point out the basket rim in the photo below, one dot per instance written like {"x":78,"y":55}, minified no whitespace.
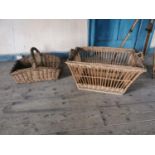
{"x":106,"y":66}
{"x":107,"y":47}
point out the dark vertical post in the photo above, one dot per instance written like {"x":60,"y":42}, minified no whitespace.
{"x":149,"y":30}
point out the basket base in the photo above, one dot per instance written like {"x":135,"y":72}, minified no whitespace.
{"x":101,"y":89}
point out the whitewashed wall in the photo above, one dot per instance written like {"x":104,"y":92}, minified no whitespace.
{"x":18,"y":36}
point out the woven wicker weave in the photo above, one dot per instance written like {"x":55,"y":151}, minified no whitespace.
{"x":104,"y":69}
{"x":37,"y":67}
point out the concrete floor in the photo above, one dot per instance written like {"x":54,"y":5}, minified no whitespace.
{"x":57,"y":107}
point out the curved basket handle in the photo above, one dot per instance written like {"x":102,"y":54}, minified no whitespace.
{"x":34,"y":65}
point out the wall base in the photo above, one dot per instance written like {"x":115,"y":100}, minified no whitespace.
{"x":13,"y":57}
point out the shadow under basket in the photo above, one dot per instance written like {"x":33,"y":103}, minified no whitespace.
{"x":37,"y":67}
{"x":105,"y":69}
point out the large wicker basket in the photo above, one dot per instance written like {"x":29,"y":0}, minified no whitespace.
{"x":37,"y":67}
{"x":105,"y":69}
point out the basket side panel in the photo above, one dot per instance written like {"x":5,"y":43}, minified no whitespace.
{"x":23,"y":77}
{"x":103,"y":79}
{"x":42,"y":74}
{"x":105,"y":55}
{"x":35,"y":75}
{"x":50,"y":61}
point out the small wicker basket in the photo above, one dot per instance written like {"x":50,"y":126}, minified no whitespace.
{"x":37,"y":67}
{"x":105,"y":69}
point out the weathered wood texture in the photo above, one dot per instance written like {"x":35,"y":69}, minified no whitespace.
{"x":57,"y":107}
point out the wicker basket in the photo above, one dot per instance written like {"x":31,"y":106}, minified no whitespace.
{"x":105,"y":69}
{"x":37,"y":67}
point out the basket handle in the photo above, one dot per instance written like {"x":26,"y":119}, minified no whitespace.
{"x":34,"y":63}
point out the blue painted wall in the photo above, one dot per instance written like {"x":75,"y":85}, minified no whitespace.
{"x":111,"y":32}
